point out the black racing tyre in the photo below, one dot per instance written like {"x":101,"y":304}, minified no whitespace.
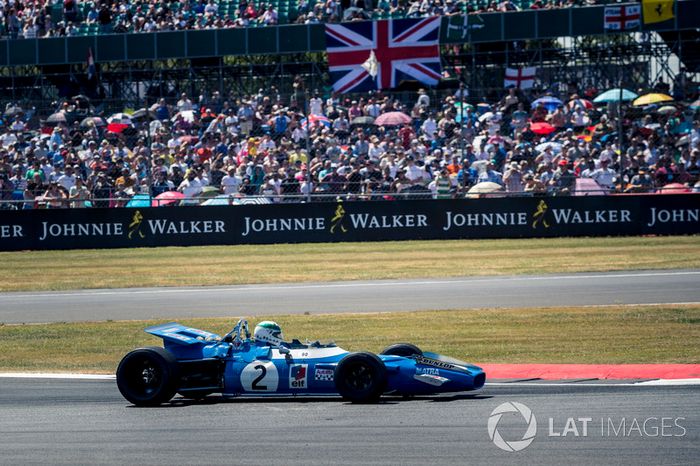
{"x":148,"y":376}
{"x":402,"y":349}
{"x":360,"y":378}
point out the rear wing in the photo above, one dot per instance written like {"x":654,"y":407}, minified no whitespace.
{"x":173,"y":332}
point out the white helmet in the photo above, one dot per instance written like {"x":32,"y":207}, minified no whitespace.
{"x":268,"y":331}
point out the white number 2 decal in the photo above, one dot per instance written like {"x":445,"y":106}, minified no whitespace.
{"x":259,"y":376}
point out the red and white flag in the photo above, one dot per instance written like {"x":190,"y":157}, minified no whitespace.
{"x":521,"y":78}
{"x":622,"y":18}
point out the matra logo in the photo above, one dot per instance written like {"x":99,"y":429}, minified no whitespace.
{"x":427,"y":371}
{"x":297,"y":376}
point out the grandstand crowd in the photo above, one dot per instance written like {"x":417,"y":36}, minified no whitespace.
{"x":239,"y":146}
{"x":34,"y":18}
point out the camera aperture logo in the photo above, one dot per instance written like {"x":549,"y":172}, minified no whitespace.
{"x":528,"y":436}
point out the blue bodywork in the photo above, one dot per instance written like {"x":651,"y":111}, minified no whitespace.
{"x":244,"y":367}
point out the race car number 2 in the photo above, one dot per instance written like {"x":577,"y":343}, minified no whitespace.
{"x":259,"y":376}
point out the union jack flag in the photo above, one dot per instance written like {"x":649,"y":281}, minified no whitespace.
{"x":365,"y":55}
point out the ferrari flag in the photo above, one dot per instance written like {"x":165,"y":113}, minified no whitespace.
{"x":656,"y":11}
{"x":365,"y":55}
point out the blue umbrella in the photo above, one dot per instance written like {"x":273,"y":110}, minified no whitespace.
{"x":549,"y":102}
{"x":613,"y":95}
{"x":221,"y":199}
{"x":139,"y":200}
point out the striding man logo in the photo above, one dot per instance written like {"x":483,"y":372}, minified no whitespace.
{"x":538,"y":216}
{"x":337,"y":220}
{"x":135,"y":225}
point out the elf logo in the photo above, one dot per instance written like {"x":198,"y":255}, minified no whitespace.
{"x":297,"y":376}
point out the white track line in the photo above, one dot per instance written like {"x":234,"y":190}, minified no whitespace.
{"x":247,"y":288}
{"x":671,"y":382}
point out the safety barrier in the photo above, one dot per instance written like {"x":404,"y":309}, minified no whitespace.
{"x":350,"y":221}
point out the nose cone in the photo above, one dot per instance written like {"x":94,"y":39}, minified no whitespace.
{"x":479,"y":380}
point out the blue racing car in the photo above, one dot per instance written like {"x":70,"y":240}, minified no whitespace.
{"x":195,"y":363}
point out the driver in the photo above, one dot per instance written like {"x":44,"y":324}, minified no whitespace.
{"x":268,"y":332}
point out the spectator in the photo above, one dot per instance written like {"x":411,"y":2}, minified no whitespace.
{"x":78,"y":194}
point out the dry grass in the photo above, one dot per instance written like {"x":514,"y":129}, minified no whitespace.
{"x":228,"y":265}
{"x":610,"y":334}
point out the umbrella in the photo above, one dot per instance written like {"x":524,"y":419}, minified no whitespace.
{"x":461,"y":110}
{"x":549,"y":102}
{"x":483,"y":107}
{"x":81,"y":97}
{"x":542,"y":128}
{"x":583,"y":103}
{"x":683,"y":141}
{"x":209,"y":192}
{"x":392,"y":119}
{"x":613,"y":95}
{"x":588,"y":187}
{"x":56,"y":118}
{"x":652,"y":98}
{"x":221,"y":199}
{"x":93,"y":121}
{"x":695,"y":105}
{"x":467,"y":106}
{"x":12,"y":111}
{"x":118,"y":122}
{"x":187,"y":139}
{"x":485,"y":187}
{"x":555,"y":146}
{"x":167,"y":198}
{"x":139,"y":200}
{"x":667,"y":110}
{"x":251,"y":201}
{"x":674,"y":188}
{"x":486,"y":116}
{"x":144,"y":114}
{"x":362,"y":120}
{"x":187,"y":115}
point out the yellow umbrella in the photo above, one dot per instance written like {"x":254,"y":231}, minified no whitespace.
{"x":649,"y":99}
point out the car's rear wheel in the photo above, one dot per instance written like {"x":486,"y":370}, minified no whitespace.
{"x":402,"y":349}
{"x":360,"y":378}
{"x":148,"y":376}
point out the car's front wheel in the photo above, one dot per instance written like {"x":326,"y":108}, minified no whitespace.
{"x":148,"y":376}
{"x":360,"y":378}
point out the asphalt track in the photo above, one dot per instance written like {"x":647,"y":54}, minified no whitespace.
{"x":635,"y":287}
{"x":87,"y":422}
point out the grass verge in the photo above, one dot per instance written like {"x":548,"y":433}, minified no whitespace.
{"x":595,"y":335}
{"x":244,"y":264}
